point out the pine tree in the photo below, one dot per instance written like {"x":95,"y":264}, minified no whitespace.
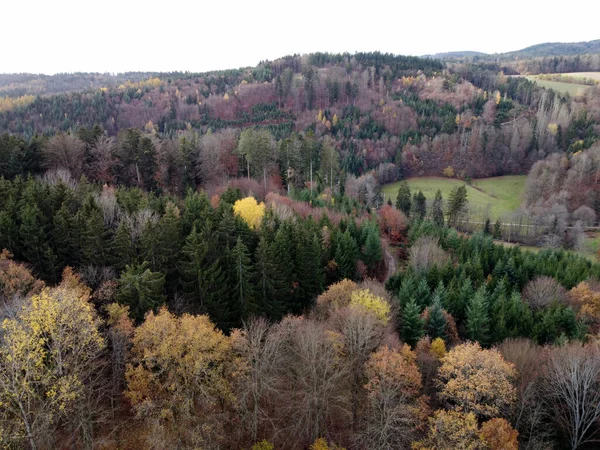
{"x":413,"y":326}
{"x":478,"y":322}
{"x":403,"y":202}
{"x":437,"y":322}
{"x":437,"y":212}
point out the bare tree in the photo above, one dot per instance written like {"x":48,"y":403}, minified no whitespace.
{"x":543,"y":291}
{"x":314,"y":379}
{"x":426,"y":253}
{"x":572,"y":390}
{"x":259,"y":360}
{"x":66,"y":152}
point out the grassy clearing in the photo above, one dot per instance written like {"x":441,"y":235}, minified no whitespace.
{"x":591,"y":75}
{"x":572,"y":88}
{"x":502,"y":195}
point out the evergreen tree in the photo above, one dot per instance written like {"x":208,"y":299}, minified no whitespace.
{"x":309,"y":270}
{"x":242,"y":294}
{"x":413,"y":326}
{"x":93,"y":238}
{"x":403,"y":202}
{"x":420,"y":205}
{"x":123,"y":248}
{"x":478,"y":323}
{"x":457,"y":204}
{"x":285,"y":250}
{"x":437,"y":212}
{"x":346,"y":255}
{"x":487,"y":228}
{"x":422,"y":294}
{"x":202,"y":278}
{"x":373,"y":252}
{"x":497,"y":230}
{"x":269,"y":282}
{"x":141,"y":289}
{"x":63,"y":236}
{"x":436,"y":327}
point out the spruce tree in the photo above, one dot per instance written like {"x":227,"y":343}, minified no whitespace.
{"x":373,"y":252}
{"x":124,"y":248}
{"x":497,"y":233}
{"x":413,"y":326}
{"x":420,"y":205}
{"x":403,"y":202}
{"x":269,"y":281}
{"x":436,"y":328}
{"x":478,"y":322}
{"x":141,"y":289}
{"x":457,"y":204}
{"x":437,"y":212}
{"x":242,"y":294}
{"x":202,"y":278}
{"x":346,"y":255}
{"x":308,"y":269}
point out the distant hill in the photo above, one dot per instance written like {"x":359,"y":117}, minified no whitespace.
{"x":535,"y":51}
{"x":556,"y":49}
{"x":452,"y":55}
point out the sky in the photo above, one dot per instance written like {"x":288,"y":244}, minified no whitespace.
{"x":43,"y":36}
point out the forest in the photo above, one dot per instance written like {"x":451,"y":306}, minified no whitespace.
{"x":208,"y":260}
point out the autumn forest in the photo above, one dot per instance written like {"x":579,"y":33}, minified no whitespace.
{"x":211,"y":261}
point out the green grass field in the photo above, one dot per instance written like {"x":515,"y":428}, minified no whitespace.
{"x":591,"y":75}
{"x":572,"y":88}
{"x":502,"y":195}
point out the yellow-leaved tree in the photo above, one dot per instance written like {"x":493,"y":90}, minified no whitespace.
{"x":451,"y":430}
{"x":50,"y":354}
{"x":478,"y":381}
{"x":363,"y":298}
{"x":250,"y":210}
{"x":179,"y":382}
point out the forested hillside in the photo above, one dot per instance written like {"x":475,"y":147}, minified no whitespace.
{"x":209,"y":260}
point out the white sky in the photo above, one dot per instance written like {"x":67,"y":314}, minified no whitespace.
{"x":50,"y":36}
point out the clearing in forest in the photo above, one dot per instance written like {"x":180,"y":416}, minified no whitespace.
{"x":573,"y":89}
{"x":502,"y":195}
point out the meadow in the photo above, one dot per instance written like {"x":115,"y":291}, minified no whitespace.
{"x":501,"y":195}
{"x":573,"y":89}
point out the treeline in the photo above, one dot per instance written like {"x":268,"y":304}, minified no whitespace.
{"x":483,"y":292}
{"x":566,"y":183}
{"x":470,"y":117}
{"x":230,"y":259}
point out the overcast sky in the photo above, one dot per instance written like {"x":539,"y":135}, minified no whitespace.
{"x":50,"y":36}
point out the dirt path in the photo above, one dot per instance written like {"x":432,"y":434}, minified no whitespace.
{"x":390,"y":262}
